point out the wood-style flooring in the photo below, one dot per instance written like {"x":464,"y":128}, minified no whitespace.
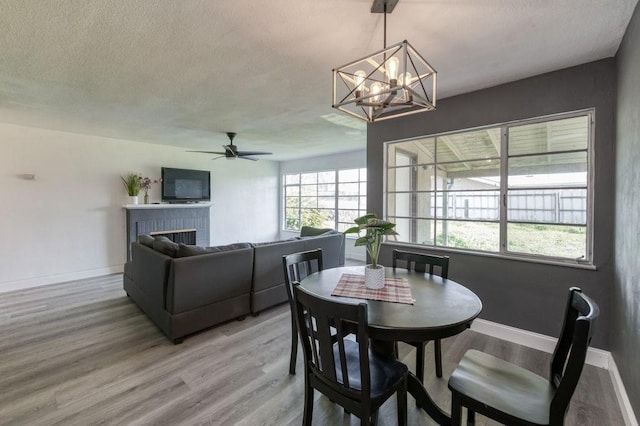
{"x":82,"y":353}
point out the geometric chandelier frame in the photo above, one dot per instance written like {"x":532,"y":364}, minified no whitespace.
{"x":392,"y":82}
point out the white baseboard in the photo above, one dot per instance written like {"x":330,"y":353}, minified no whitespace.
{"x":59,"y":278}
{"x":621,"y":395}
{"x":596,"y":357}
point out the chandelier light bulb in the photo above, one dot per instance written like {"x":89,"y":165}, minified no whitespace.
{"x":405,"y":79}
{"x":376,"y":88}
{"x":392,"y":70}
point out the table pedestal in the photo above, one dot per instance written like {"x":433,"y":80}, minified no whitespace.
{"x":414,"y":385}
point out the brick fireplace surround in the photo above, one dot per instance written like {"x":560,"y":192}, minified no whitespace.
{"x":177,"y":221}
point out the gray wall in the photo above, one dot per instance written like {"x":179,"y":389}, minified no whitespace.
{"x":625,"y":301}
{"x":525,"y":295}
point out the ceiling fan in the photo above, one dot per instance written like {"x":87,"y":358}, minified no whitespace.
{"x":231,"y":151}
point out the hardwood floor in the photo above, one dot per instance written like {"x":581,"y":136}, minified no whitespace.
{"x":82,"y":353}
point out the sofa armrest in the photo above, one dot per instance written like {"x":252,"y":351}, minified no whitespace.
{"x":197,"y":281}
{"x":310,"y":231}
{"x":149,"y":272}
{"x":332,"y":246}
{"x":267,"y":264}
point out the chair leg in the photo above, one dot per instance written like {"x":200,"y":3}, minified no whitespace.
{"x":471,"y":417}
{"x":294,"y":348}
{"x":420,"y":361}
{"x":437,"y":351}
{"x":307,"y":415}
{"x":402,"y":404}
{"x":456,"y":410}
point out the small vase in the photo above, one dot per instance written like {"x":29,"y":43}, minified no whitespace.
{"x":133,"y":199}
{"x":374,"y":278}
{"x":146,"y":198}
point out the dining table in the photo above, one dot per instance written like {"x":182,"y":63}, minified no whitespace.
{"x":437,"y":308}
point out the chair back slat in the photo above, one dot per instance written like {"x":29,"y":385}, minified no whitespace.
{"x":320,"y":331}
{"x":339,"y":326}
{"x":311,"y":261}
{"x":298,"y":266}
{"x":571,"y":350}
{"x":419,"y":262}
{"x":313,"y":347}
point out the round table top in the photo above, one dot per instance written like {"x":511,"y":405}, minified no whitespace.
{"x":441,"y":308}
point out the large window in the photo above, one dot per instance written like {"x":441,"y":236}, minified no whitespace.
{"x":518,"y":189}
{"x":327,"y":199}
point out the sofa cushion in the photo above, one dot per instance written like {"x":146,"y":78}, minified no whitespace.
{"x":185,"y":250}
{"x":238,"y":246}
{"x":146,"y":240}
{"x":269,"y":243}
{"x":310,"y":231}
{"x":165,"y":246}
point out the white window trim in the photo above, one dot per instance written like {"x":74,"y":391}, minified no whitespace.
{"x":337,"y":182}
{"x":586,"y":263}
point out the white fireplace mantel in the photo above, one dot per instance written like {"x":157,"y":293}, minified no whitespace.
{"x":166,"y":206}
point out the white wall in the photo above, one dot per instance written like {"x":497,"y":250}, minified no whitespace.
{"x":348,"y":160}
{"x":68,"y":223}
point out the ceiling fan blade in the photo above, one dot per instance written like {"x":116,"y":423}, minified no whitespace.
{"x":209,"y":152}
{"x":254,"y":153}
{"x":247,"y":158}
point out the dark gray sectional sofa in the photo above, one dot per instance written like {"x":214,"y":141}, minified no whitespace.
{"x":185,"y":289}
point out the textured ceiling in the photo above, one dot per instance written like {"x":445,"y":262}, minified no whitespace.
{"x":185,"y":72}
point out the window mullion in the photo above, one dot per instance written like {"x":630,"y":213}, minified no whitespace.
{"x":504,"y":184}
{"x":336,"y":192}
{"x":299,"y":201}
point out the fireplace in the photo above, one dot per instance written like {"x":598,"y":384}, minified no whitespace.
{"x":182,"y":223}
{"x":185,"y":236}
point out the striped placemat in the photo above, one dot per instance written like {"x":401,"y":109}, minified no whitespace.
{"x":395,"y":290}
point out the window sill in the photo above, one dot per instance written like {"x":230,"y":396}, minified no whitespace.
{"x":568,"y":264}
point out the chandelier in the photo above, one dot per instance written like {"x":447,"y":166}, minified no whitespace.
{"x":389,"y":83}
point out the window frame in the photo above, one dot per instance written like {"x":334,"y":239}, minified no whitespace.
{"x":503,"y":221}
{"x":359,"y":182}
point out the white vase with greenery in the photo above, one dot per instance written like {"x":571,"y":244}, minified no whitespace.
{"x":371,"y":232}
{"x":133,"y":184}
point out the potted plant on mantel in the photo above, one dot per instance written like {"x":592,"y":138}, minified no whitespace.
{"x":371,"y":231}
{"x":133,"y":185}
{"x":146,"y":185}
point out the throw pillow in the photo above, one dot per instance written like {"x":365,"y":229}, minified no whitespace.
{"x":165,"y":246}
{"x":185,"y":250}
{"x":146,"y":240}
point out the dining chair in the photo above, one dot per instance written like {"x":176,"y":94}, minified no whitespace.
{"x":419,"y":262}
{"x":512,"y":395}
{"x":296,"y":267}
{"x":342,"y":369}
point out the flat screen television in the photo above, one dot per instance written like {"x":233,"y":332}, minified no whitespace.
{"x":185,"y":186}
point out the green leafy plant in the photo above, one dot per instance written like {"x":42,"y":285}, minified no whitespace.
{"x":132,"y":183}
{"x":371,"y":231}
